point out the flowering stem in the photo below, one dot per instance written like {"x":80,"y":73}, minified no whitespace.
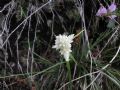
{"x":69,"y":74}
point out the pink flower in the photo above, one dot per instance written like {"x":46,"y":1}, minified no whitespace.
{"x":112,"y":7}
{"x":101,"y":11}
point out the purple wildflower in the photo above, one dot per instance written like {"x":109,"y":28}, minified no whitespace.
{"x":101,"y":11}
{"x":112,"y":7}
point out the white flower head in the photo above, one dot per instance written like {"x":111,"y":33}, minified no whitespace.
{"x":63,"y":44}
